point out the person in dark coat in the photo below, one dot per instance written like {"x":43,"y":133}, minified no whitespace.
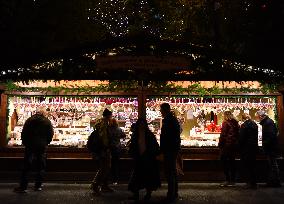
{"x":228,"y":147}
{"x":248,"y":145}
{"x":37,"y":133}
{"x":144,"y":149}
{"x":170,"y":148}
{"x":116,"y":133}
{"x":100,"y":183}
{"x":270,"y":147}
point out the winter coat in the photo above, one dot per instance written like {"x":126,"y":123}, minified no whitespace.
{"x":248,"y":139}
{"x":269,"y":136}
{"x":229,"y":137}
{"x":116,"y":134}
{"x":102,"y":128}
{"x":170,"y":135}
{"x":37,"y":132}
{"x":152,"y":146}
{"x":146,"y":173}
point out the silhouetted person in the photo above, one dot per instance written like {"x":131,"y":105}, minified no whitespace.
{"x":228,"y":147}
{"x":144,"y":149}
{"x":248,"y":145}
{"x":170,"y":147}
{"x":270,"y":146}
{"x":115,"y":145}
{"x":36,"y":135}
{"x":103,"y":156}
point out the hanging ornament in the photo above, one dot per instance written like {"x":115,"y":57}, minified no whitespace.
{"x":246,"y":111}
{"x":236,"y":113}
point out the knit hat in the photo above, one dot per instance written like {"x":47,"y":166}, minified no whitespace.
{"x":261,"y":113}
{"x":107,"y":112}
{"x":41,"y":110}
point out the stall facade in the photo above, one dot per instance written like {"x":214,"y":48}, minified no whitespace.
{"x":74,"y":106}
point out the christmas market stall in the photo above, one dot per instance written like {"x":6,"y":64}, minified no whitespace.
{"x":202,"y":57}
{"x":74,"y":106}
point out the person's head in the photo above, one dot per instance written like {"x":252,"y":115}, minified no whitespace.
{"x":41,"y":110}
{"x":132,"y":128}
{"x":260,"y":115}
{"x":245,"y":117}
{"x":165,"y":109}
{"x":113,"y":123}
{"x":141,"y":123}
{"x":228,"y":115}
{"x":107,"y":114}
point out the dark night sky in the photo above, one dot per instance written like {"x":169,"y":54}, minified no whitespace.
{"x":34,"y":31}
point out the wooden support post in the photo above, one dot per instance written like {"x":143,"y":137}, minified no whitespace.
{"x":141,"y":101}
{"x":142,"y":105}
{"x":3,"y":121}
{"x":280,"y":110}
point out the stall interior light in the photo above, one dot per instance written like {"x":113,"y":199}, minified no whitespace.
{"x":112,"y":53}
{"x":184,"y":72}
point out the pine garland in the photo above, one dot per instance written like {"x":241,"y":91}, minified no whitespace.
{"x":154,"y":87}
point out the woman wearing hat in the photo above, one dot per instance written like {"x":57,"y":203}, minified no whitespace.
{"x":100,"y":182}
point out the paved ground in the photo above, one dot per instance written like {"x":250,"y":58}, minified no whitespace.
{"x":190,"y":193}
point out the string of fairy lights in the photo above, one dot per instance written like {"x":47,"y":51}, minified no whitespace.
{"x":56,"y":67}
{"x":118,"y":19}
{"x":112,"y":14}
{"x":116,"y":15}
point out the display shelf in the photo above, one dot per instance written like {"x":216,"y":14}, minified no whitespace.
{"x":73,"y":121}
{"x":121,"y":121}
{"x":193,"y":116}
{"x":201,"y":119}
{"x":73,"y":128}
{"x":212,"y":133}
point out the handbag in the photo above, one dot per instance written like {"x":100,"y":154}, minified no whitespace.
{"x":94,"y":144}
{"x":179,"y":163}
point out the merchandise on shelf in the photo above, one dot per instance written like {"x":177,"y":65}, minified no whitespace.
{"x":201,"y":118}
{"x":73,"y":118}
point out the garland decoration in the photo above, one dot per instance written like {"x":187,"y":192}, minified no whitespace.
{"x":153,"y":86}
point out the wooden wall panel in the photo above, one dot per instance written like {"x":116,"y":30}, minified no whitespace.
{"x":3,"y":122}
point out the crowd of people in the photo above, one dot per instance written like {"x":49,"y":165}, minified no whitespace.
{"x":243,"y":139}
{"x":147,"y":154}
{"x":145,"y":151}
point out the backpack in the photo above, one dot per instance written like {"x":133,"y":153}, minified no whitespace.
{"x":93,"y":143}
